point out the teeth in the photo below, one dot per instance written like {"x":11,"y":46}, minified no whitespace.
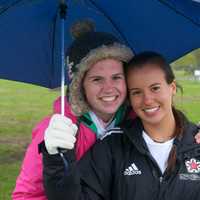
{"x":109,"y":98}
{"x":150,"y":110}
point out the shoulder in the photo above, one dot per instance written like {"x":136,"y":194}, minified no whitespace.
{"x":189,"y":131}
{"x":186,"y":140}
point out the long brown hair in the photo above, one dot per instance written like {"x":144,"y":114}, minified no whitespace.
{"x":180,"y":123}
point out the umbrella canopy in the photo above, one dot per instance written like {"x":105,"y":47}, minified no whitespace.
{"x":30,"y":32}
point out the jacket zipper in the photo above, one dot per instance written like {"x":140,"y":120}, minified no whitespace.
{"x":156,"y":174}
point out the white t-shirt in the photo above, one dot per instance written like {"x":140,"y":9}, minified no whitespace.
{"x":159,"y":151}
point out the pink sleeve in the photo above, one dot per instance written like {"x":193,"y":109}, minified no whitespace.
{"x":29,"y":184}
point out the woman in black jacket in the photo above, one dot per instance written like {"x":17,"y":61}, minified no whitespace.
{"x":155,"y":158}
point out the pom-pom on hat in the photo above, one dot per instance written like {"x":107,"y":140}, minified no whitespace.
{"x":88,"y":48}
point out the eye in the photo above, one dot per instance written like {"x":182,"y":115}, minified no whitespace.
{"x":96,"y":79}
{"x":135,"y":93}
{"x":156,"y":88}
{"x":118,"y":77}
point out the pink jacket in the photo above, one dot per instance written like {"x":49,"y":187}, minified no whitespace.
{"x":29,"y":184}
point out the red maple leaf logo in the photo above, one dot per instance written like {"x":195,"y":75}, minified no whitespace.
{"x":193,"y":165}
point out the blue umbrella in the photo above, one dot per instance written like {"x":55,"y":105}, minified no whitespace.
{"x":33,"y":36}
{"x":33,"y":33}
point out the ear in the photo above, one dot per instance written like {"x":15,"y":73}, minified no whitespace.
{"x":173,"y":87}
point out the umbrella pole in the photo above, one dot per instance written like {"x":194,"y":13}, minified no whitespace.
{"x":63,"y":9}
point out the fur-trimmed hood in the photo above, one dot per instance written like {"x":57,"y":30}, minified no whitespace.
{"x":77,"y":100}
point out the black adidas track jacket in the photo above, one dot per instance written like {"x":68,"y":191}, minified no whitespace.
{"x":120,"y":167}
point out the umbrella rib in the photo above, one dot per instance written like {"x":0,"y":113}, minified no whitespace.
{"x":4,"y":9}
{"x":112,"y":22}
{"x":179,"y":12}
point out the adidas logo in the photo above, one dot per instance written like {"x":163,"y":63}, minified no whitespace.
{"x":132,"y":170}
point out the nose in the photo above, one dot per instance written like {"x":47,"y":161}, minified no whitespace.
{"x":108,"y":86}
{"x":147,"y":98}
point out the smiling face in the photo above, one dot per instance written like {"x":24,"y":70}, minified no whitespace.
{"x":105,"y":88}
{"x":150,"y":95}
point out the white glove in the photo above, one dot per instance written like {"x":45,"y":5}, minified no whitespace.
{"x":60,"y":133}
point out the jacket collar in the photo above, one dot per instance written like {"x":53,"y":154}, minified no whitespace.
{"x":86,"y":119}
{"x":133,"y":129}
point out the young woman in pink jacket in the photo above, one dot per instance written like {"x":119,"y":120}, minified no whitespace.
{"x":96,"y":103}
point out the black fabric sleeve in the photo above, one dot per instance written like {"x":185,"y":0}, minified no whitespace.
{"x":60,"y":182}
{"x":88,"y":179}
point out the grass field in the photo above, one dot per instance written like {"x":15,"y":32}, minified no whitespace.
{"x":23,"y":105}
{"x":189,"y":101}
